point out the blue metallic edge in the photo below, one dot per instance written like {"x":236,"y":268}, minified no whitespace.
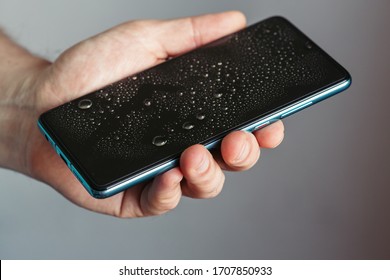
{"x":290,"y":110}
{"x":296,"y":107}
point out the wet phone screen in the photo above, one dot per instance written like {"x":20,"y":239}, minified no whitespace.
{"x":149,"y":118}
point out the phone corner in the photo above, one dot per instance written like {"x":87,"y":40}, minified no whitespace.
{"x":348,"y":79}
{"x":346,"y":82}
{"x":97,"y":194}
{"x":41,"y":126}
{"x":40,"y":121}
{"x":279,"y":18}
{"x":100,"y":193}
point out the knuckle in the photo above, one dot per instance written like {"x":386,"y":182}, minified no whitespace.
{"x":213,"y":187}
{"x":165,"y":204}
{"x":202,"y":177}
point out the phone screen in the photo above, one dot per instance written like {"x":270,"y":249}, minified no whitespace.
{"x":151,"y":117}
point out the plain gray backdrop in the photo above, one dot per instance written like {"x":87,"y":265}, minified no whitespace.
{"x":323,"y":194}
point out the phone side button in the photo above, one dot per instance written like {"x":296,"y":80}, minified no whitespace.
{"x":297,"y":109}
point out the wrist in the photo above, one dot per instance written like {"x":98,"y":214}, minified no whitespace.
{"x":19,"y":72}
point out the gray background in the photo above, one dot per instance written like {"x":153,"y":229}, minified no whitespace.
{"x":323,"y":194}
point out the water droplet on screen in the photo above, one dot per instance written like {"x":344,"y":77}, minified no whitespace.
{"x":200,"y":116}
{"x":159,"y":141}
{"x":147,"y":102}
{"x":309,"y":45}
{"x":188,"y":125}
{"x":85,"y":104}
{"x":217,"y":95}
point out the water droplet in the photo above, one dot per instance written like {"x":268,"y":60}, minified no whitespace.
{"x":159,"y":141}
{"x":217,"y":95}
{"x":135,"y":78}
{"x":85,"y":104}
{"x":200,"y":116}
{"x":309,"y":45}
{"x":188,"y":125}
{"x":147,"y":102}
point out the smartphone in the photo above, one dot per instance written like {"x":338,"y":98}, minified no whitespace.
{"x":136,"y":128}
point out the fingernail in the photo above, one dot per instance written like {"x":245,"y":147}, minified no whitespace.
{"x":204,"y":164}
{"x":243,"y":153}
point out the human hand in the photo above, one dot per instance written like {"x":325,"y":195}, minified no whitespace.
{"x":103,"y":59}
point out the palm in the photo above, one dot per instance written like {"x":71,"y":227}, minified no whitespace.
{"x":87,"y":66}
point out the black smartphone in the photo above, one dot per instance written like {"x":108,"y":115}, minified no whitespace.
{"x":136,"y":128}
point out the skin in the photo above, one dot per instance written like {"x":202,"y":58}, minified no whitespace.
{"x":31,"y":85}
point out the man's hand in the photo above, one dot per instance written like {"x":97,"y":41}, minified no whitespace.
{"x":33,"y":86}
